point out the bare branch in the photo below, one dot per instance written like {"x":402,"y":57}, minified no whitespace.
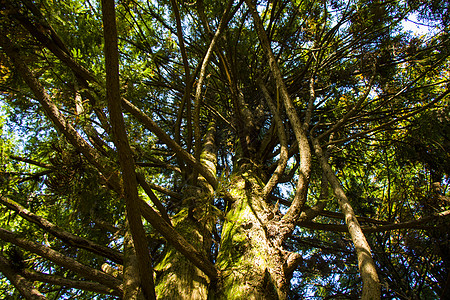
{"x":24,"y":286}
{"x":69,"y":283}
{"x":61,"y":260}
{"x":60,"y":233}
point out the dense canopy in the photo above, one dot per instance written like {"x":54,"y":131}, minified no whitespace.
{"x":172,"y":149}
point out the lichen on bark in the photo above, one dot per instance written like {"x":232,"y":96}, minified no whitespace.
{"x":251,"y":266}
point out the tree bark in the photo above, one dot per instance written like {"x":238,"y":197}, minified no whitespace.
{"x":251,"y":264}
{"x":126,"y":160}
{"x":24,"y":286}
{"x":177,"y":277}
{"x":367,"y":268}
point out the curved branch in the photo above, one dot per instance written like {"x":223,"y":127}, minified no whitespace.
{"x":310,"y":213}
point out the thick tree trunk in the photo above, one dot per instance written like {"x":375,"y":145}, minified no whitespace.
{"x":251,"y":267}
{"x":177,"y":277}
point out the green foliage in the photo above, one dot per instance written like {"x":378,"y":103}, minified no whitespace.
{"x":380,"y":110}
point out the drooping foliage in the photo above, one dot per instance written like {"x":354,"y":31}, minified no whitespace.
{"x":251,"y":129}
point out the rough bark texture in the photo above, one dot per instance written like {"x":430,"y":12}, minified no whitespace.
{"x":250,"y":264}
{"x":177,"y":277}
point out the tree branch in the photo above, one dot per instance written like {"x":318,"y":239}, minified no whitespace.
{"x":148,"y":190}
{"x":282,"y":161}
{"x":61,"y":260}
{"x":126,"y":160}
{"x":49,"y":107}
{"x":414,"y":224}
{"x":178,"y":242}
{"x":69,"y":283}
{"x":24,"y":286}
{"x":111,"y":177}
{"x":301,"y":191}
{"x":31,"y":161}
{"x":367,"y":268}
{"x":185,"y":156}
{"x":196,"y":118}
{"x":67,"y":237}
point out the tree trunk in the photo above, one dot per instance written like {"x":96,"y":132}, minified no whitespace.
{"x":251,"y":267}
{"x":177,"y":277}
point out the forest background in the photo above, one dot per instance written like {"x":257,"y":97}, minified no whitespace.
{"x":205,"y":149}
